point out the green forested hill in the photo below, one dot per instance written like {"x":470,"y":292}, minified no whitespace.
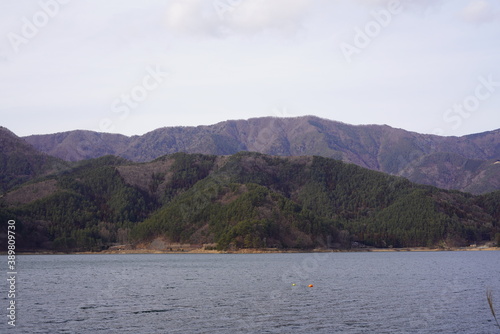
{"x":20,"y":162}
{"x":241,"y":201}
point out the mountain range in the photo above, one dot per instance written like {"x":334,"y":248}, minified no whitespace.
{"x":319,"y":184}
{"x":469,"y":163}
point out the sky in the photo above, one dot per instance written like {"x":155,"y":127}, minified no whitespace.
{"x":132,"y":66}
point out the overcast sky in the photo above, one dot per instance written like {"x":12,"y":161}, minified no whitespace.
{"x":131,"y":66}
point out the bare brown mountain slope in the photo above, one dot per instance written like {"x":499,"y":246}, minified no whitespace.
{"x":421,"y":158}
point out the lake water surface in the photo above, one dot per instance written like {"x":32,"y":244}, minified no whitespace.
{"x":378,"y":292}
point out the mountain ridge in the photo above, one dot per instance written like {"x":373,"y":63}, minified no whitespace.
{"x":377,"y":147}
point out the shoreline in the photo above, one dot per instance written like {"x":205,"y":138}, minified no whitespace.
{"x":265,"y":251}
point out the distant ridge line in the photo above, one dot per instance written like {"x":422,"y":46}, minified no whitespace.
{"x":463,"y":163}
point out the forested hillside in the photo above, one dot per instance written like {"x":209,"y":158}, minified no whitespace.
{"x":246,"y":200}
{"x":20,"y":162}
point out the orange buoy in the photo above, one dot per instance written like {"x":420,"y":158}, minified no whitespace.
{"x":310,"y":285}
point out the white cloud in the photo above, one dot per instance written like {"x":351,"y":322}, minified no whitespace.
{"x":480,"y":11}
{"x":220,"y":17}
{"x":257,"y":15}
{"x":420,"y":4}
{"x":191,"y":17}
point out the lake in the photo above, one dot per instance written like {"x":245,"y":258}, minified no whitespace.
{"x":367,"y":292}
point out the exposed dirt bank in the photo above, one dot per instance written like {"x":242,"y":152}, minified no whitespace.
{"x":266,"y":250}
